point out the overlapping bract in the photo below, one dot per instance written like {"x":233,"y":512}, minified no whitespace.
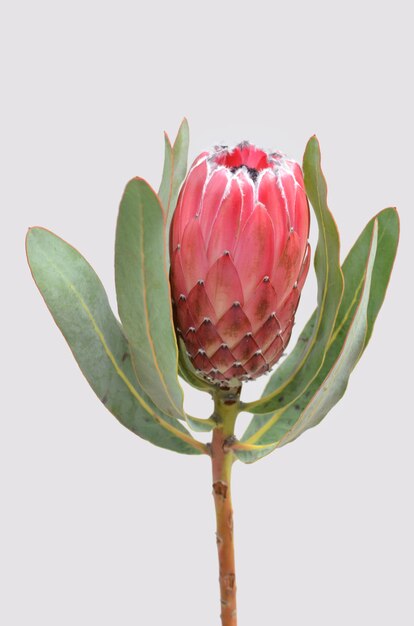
{"x":239,"y":259}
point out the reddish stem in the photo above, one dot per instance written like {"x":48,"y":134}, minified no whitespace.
{"x":222,"y":460}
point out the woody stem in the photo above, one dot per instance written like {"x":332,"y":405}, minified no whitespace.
{"x":226,"y":410}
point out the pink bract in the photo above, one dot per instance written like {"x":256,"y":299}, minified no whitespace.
{"x":239,"y":259}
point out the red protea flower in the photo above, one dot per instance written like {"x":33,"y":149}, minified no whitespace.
{"x":239,"y":259}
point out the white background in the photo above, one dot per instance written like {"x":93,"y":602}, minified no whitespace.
{"x":98,"y":526}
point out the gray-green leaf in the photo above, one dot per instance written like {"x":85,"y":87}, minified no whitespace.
{"x":143,"y":294}
{"x":366,"y":270}
{"x":180,"y":159}
{"x":79,"y":305}
{"x":165,"y":190}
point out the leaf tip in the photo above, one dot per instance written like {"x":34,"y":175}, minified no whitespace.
{"x":142,"y":186}
{"x":167,"y":139}
{"x":28,"y":246}
{"x":312,"y":150}
{"x":395,"y":210}
{"x":313,"y":139}
{"x":183,"y":128}
{"x":397,"y":215}
{"x":26,"y":242}
{"x":32,"y":231}
{"x":137,"y":182}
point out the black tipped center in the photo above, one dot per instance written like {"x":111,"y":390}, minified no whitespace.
{"x":253,"y":173}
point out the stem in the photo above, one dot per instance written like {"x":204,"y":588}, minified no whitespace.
{"x":226,"y":410}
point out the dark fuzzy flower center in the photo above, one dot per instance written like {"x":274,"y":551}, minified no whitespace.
{"x":253,"y":173}
{"x":244,"y":155}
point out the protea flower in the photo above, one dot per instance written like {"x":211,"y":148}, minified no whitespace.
{"x":239,"y":259}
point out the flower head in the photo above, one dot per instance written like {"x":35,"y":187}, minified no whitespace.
{"x":239,"y":259}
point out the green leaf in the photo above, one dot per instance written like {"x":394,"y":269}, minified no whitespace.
{"x":366,"y":270}
{"x":354,"y":265}
{"x":180,"y":159}
{"x":292,"y":378}
{"x":174,"y":172}
{"x":79,"y":305}
{"x":165,"y":190}
{"x":201,"y":425}
{"x":388,"y":237}
{"x":143,"y":295}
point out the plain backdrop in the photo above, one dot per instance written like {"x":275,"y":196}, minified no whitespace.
{"x":98,"y":526}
